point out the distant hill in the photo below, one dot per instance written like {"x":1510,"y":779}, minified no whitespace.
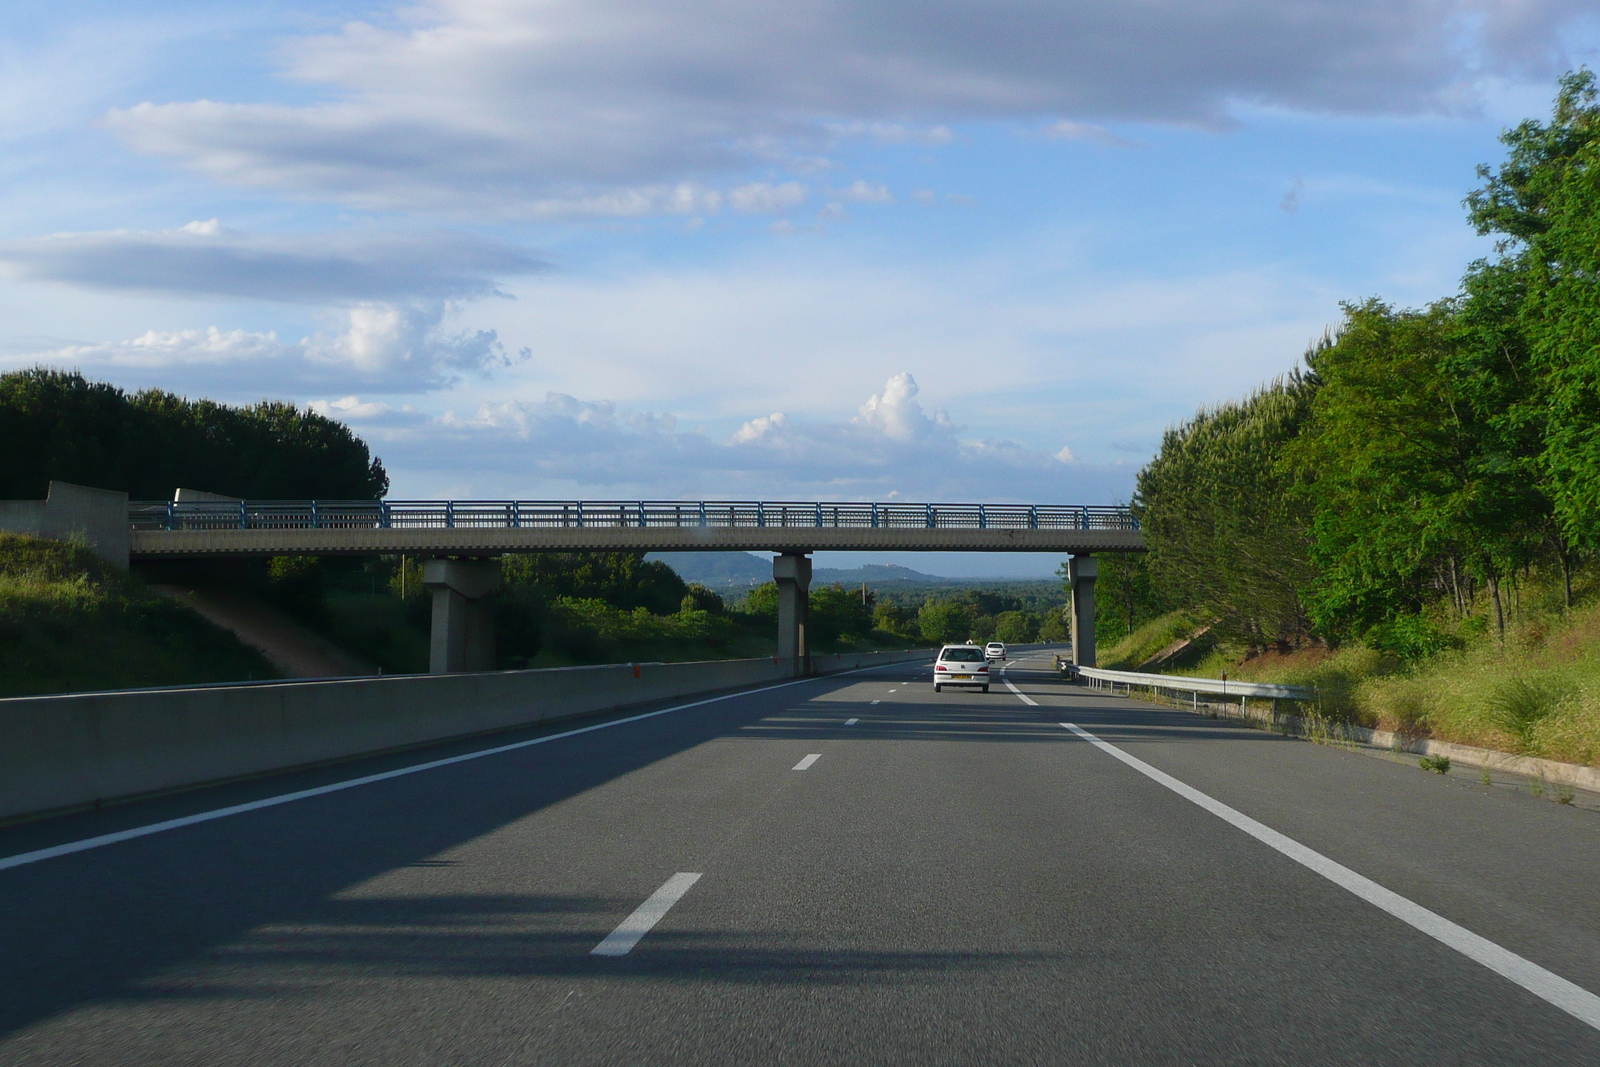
{"x":718,"y":570}
{"x":741,"y":570}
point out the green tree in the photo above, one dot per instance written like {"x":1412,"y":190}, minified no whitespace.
{"x":1228,"y":535}
{"x":944,"y":621}
{"x":701,"y":598}
{"x":1053,"y":627}
{"x":622,"y":579}
{"x":1016,"y":627}
{"x":58,"y":425}
{"x":1413,"y":465}
{"x":836,"y":611}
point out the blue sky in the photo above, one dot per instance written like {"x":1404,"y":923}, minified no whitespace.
{"x":847,"y":250}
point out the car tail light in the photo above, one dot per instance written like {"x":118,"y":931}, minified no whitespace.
{"x":984,"y":668}
{"x":940,"y":667}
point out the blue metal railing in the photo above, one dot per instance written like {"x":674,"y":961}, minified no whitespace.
{"x":546,"y":514}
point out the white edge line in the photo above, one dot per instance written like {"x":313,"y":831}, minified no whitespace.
{"x":620,"y":941}
{"x":100,"y":841}
{"x":806,"y":763}
{"x":1546,"y":985}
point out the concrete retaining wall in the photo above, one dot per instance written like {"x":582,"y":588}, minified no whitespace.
{"x":59,"y":752}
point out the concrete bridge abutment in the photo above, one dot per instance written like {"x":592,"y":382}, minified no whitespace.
{"x":792,"y":572}
{"x":462,"y":636}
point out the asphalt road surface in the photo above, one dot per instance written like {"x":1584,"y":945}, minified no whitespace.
{"x":841,"y":870}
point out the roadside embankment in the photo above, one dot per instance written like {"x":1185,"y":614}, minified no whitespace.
{"x":78,"y":749}
{"x":69,"y":620}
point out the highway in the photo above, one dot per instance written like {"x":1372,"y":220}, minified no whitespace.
{"x":837,"y":870}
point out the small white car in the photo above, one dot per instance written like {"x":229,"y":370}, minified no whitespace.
{"x":994,"y":650}
{"x":962,"y":665}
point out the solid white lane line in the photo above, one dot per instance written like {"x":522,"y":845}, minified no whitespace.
{"x":620,"y":941}
{"x":1546,"y":985}
{"x":851,"y":722}
{"x":806,"y":763}
{"x":100,"y":841}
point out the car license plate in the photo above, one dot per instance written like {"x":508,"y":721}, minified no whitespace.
{"x":962,"y":677}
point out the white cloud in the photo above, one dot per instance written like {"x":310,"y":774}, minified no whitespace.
{"x":1067,"y":130}
{"x":545,"y":106}
{"x":865,"y":192}
{"x":381,"y":347}
{"x":765,"y":198}
{"x":892,"y":447}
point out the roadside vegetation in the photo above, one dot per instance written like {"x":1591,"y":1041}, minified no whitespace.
{"x":1410,"y":520}
{"x":71,"y":622}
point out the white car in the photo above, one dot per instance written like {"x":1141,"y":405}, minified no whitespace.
{"x":994,"y":650}
{"x":963,"y":665}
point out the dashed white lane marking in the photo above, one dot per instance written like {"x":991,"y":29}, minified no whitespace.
{"x":808,"y":761}
{"x":620,"y":941}
{"x":1552,"y":988}
{"x":1024,"y":697}
{"x":894,"y":690}
{"x":851,"y":722}
{"x":877,"y":701}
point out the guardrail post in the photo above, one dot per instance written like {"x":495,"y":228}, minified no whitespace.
{"x":450,"y":514}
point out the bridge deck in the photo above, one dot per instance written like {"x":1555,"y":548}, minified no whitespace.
{"x":232,"y":528}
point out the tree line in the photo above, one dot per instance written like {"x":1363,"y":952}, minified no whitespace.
{"x":1424,"y":459}
{"x":57,"y":425}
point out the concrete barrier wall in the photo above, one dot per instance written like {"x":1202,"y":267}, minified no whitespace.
{"x":59,"y":752}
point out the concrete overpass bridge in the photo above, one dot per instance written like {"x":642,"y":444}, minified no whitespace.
{"x":461,"y":541}
{"x":465,"y":536}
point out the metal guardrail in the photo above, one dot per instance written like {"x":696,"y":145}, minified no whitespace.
{"x":1196,"y":686}
{"x":545,"y":514}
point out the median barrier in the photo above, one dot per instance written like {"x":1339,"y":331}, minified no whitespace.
{"x":78,"y":749}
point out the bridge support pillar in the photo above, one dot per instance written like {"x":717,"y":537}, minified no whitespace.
{"x":463,"y":614}
{"x":1081,"y":572}
{"x":792,"y":572}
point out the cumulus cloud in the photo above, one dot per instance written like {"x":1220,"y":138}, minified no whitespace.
{"x":540,"y":106}
{"x":379,"y":347}
{"x":205,"y":258}
{"x":891,"y":446}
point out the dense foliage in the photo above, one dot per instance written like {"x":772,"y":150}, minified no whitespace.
{"x":623,"y":579}
{"x":58,"y":425}
{"x":1423,"y":457}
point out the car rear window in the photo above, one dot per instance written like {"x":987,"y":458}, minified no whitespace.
{"x":961,"y":655}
